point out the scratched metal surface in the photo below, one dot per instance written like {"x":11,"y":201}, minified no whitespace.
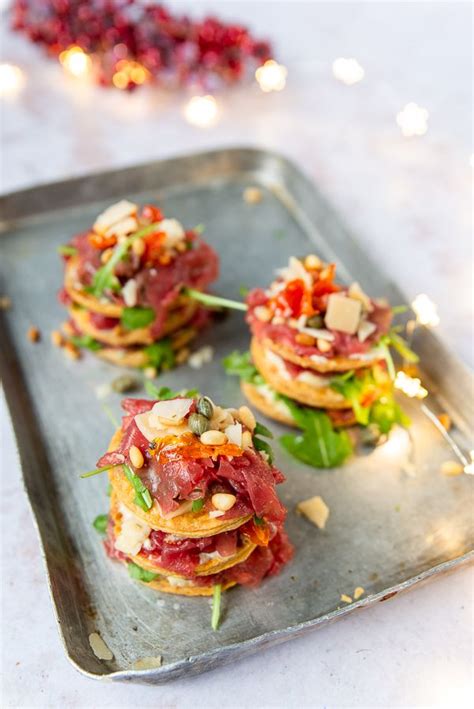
{"x":395,"y":520}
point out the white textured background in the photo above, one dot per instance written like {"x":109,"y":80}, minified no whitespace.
{"x":410,"y":202}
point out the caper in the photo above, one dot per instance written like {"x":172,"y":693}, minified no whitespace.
{"x":198,"y":424}
{"x":205,"y":407}
{"x":315,"y":321}
{"x":125,"y":383}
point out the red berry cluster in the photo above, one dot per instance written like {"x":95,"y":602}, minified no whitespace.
{"x":174,"y":51}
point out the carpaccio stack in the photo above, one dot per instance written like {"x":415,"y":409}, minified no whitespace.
{"x":123,"y":286}
{"x":193,"y":502}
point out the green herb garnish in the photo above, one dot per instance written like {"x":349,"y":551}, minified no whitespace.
{"x":100,"y":523}
{"x":161,"y":354}
{"x":213,"y":301}
{"x":86,"y":342}
{"x":240,"y":364}
{"x":243,"y":290}
{"x":66,"y":250}
{"x":164,"y":393}
{"x":216,"y":606}
{"x":261,"y":430}
{"x":397,"y":309}
{"x":97,"y":471}
{"x":136,"y":572}
{"x":104,"y":277}
{"x":197,"y":505}
{"x":259,"y":521}
{"x":264,"y":446}
{"x":142,"y":494}
{"x":134,"y":318}
{"x":319,"y":444}
{"x":398,"y":343}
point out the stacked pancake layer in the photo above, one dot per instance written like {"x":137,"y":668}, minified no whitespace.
{"x":123,"y":287}
{"x":317,"y":344}
{"x":186,"y":514}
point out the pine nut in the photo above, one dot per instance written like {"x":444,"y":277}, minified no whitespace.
{"x":136,"y":457}
{"x":182,"y":355}
{"x":213,"y":438}
{"x":252,"y":195}
{"x":323,"y":345}
{"x":262,"y":313}
{"x":57,"y":339}
{"x":247,"y":418}
{"x":451,"y":467}
{"x":71,"y":351}
{"x":105,"y":255}
{"x":247,"y":440}
{"x":150,"y":372}
{"x":223,"y":501}
{"x":312,"y":262}
{"x":138,"y":247}
{"x":303,"y":339}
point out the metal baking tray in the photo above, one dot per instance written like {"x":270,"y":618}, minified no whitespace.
{"x":394,"y":519}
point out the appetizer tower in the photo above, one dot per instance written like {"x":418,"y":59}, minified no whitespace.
{"x":193,"y":503}
{"x":318,"y":346}
{"x":124,"y":286}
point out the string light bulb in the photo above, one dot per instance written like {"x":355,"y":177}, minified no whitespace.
{"x":410,"y":386}
{"x":201,"y":111}
{"x":271,"y":76}
{"x":12,"y":79}
{"x":75,"y":61}
{"x":425,"y":310}
{"x":349,"y":71}
{"x":413,"y":120}
{"x":129,"y":73}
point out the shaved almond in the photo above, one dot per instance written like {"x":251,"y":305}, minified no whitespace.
{"x":315,"y":509}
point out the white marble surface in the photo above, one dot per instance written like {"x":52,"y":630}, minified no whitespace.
{"x":409,"y":201}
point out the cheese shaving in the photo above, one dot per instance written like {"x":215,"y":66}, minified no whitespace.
{"x":315,"y":509}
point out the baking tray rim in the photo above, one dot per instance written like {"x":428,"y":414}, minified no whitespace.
{"x":199,"y":663}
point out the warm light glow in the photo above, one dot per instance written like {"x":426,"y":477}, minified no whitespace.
{"x":349,"y":71}
{"x":271,"y":76}
{"x":201,"y":111}
{"x":425,"y":310}
{"x":469,"y":468}
{"x":411,"y":386}
{"x":413,"y":120}
{"x":75,"y":61}
{"x":12,"y":79}
{"x":129,"y":72}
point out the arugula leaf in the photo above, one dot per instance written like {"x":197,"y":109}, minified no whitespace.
{"x":86,"y":342}
{"x":197,"y":505}
{"x":261,"y":430}
{"x":259,"y":521}
{"x":319,"y":444}
{"x":265,"y":447}
{"x":104,"y":277}
{"x":243,"y":290}
{"x":100,"y":523}
{"x":240,"y":364}
{"x":385,"y":413}
{"x":142,"y":494}
{"x":216,"y":606}
{"x":66,"y":250}
{"x":160,"y":354}
{"x":389,"y":360}
{"x":164,"y":393}
{"x":134,"y":318}
{"x":136,"y":572}
{"x":396,"y":309}
{"x":352,"y":388}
